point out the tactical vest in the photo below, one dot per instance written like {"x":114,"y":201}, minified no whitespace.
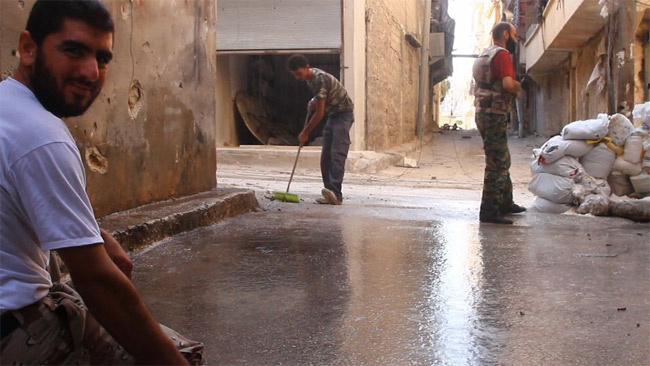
{"x":490,"y":97}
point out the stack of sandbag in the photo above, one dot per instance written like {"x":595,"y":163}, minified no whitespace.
{"x":631,"y":165}
{"x":553,"y":168}
{"x":588,"y":162}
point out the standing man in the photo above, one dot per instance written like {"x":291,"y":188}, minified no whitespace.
{"x":329,"y":97}
{"x":64,"y":56}
{"x":496,"y":90}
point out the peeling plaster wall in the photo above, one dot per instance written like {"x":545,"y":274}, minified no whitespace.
{"x":556,"y":100}
{"x":152,"y":139}
{"x":590,"y":101}
{"x":392,"y":69}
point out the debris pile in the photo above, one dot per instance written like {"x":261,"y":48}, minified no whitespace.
{"x":600,"y":166}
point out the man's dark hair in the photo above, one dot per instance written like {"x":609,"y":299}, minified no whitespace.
{"x":47,"y":16}
{"x":497,"y":31}
{"x":296,"y":61}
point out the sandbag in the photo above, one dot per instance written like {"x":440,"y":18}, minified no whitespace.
{"x":625,"y":167}
{"x":593,"y":185}
{"x":586,"y":130}
{"x":566,"y":166}
{"x":578,"y":193}
{"x":646,"y":157}
{"x":595,"y":204}
{"x":552,"y":187}
{"x":543,"y":205}
{"x":599,"y":161}
{"x":637,"y":210}
{"x":620,"y":184}
{"x":641,"y":114}
{"x":556,"y":147}
{"x":634,"y":149}
{"x":620,"y":128}
{"x":641,"y":184}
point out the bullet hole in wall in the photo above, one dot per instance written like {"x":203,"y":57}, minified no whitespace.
{"x":21,"y":4}
{"x":136,"y":96}
{"x":95,"y":160}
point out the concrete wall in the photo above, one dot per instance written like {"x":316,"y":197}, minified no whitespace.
{"x":590,"y":100}
{"x":354,"y":66}
{"x":392,"y":68}
{"x":231,"y":73}
{"x":155,"y":141}
{"x":556,"y":100}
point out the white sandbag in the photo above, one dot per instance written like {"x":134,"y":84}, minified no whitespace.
{"x":566,"y":166}
{"x":578,"y":193}
{"x":556,"y":147}
{"x":620,"y":128}
{"x":646,"y":157}
{"x":552,"y":187}
{"x":543,"y":205}
{"x":620,"y":184}
{"x":641,"y":114}
{"x":595,"y":204}
{"x":599,"y":161}
{"x":590,"y":129}
{"x":625,"y":167}
{"x":535,"y":167}
{"x":641,"y":185}
{"x":634,"y":149}
{"x":593,"y":185}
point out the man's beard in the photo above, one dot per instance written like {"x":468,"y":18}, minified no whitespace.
{"x":51,"y":94}
{"x":511,"y":45}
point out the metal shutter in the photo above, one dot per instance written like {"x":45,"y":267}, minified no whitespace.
{"x":263,"y":26}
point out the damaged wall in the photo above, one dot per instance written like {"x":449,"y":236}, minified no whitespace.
{"x":152,"y":138}
{"x":392,"y":69}
{"x":591,"y":98}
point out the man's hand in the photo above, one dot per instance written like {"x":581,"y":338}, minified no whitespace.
{"x":117,"y":254}
{"x":116,"y":304}
{"x":303,"y":137}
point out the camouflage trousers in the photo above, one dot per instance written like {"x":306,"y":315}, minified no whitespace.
{"x":59,"y":330}
{"x":497,"y":186}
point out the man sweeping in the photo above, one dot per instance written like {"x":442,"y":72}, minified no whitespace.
{"x":331,"y":98}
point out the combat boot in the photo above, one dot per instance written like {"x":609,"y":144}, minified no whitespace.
{"x":495,"y":219}
{"x":515,"y":209}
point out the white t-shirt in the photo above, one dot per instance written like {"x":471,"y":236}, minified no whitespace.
{"x":43,"y":200}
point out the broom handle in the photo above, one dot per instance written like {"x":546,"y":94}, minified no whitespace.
{"x":297,"y":155}
{"x":294,"y":167}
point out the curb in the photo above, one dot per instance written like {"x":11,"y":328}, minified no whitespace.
{"x":142,"y":226}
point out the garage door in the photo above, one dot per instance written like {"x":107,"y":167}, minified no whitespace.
{"x":262,"y":26}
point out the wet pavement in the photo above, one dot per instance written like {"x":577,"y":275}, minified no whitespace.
{"x":405,"y":280}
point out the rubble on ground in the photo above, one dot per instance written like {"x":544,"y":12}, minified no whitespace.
{"x":600,"y":166}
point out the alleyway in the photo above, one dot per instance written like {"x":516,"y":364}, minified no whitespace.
{"x":403,"y":273}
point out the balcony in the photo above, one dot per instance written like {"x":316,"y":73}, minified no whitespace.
{"x":567,"y":25}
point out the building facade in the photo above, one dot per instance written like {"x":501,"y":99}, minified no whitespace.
{"x":374,"y":47}
{"x":580,"y":58}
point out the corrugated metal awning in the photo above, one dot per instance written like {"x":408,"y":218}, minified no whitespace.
{"x":275,"y":26}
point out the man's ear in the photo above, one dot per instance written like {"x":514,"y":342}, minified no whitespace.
{"x":27,"y":48}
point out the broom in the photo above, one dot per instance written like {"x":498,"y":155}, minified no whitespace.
{"x":286,"y":196}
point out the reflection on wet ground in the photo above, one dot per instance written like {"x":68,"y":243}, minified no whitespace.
{"x":379,"y":285}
